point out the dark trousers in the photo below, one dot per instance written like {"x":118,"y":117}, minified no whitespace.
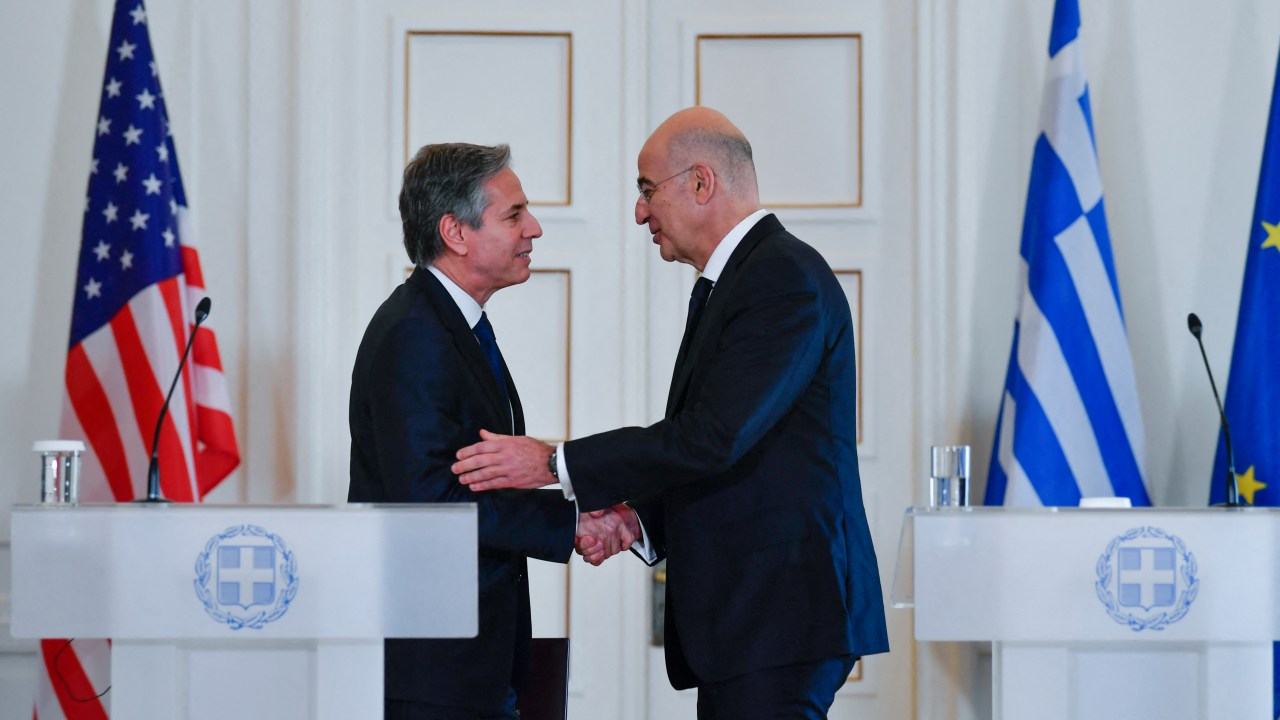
{"x":409,"y":710}
{"x":792,"y":692}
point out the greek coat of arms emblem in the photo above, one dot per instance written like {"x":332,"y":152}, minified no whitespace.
{"x":1146,"y":579}
{"x":246,"y":577}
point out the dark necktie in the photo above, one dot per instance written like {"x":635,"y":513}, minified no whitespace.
{"x":697,"y":301}
{"x":489,"y":344}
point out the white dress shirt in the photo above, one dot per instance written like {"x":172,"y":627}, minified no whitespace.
{"x":715,"y":265}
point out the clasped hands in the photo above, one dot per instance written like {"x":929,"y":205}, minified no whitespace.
{"x":605,"y":533}
{"x":518,"y":462}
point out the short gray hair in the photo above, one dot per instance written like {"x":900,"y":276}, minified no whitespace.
{"x":445,"y":179}
{"x":728,"y":153}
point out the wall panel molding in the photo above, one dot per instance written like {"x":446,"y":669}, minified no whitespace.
{"x":486,"y":109}
{"x":808,"y":136}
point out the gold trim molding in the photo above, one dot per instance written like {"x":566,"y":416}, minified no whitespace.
{"x":568,"y":38}
{"x":856,"y":37}
{"x":858,"y":354}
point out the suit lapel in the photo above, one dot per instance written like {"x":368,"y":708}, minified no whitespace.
{"x":464,"y":340}
{"x":710,"y":324}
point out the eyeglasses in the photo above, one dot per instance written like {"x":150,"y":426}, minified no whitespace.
{"x":647,"y":192}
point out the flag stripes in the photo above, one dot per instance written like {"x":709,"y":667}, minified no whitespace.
{"x":73,"y":684}
{"x":1070,"y":424}
{"x":137,"y":281}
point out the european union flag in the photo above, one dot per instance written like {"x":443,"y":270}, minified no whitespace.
{"x":1070,"y":424}
{"x":1253,"y":385}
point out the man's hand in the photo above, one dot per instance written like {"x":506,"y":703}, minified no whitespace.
{"x":605,"y":533}
{"x":504,"y":461}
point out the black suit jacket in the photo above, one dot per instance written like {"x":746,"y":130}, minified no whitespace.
{"x":420,"y":390}
{"x":750,"y":485}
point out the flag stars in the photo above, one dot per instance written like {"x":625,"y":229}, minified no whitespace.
{"x":121,"y":172}
{"x":139,"y":15}
{"x":152,"y":184}
{"x":133,"y":136}
{"x":104,"y":126}
{"x":1249,"y":485}
{"x":109,"y":212}
{"x":126,"y":50}
{"x":102,"y":250}
{"x":169,"y":237}
{"x":173,"y":206}
{"x":155,"y":71}
{"x":163,"y":152}
{"x":113,"y":88}
{"x":93,"y":167}
{"x":139,"y":220}
{"x":146,"y":100}
{"x":1273,"y":235}
{"x":126,"y":260}
{"x":93,"y":289}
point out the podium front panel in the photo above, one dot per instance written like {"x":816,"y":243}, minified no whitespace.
{"x":276,"y":572}
{"x":1071,"y":575}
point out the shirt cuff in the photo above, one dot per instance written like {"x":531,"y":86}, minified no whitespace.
{"x":562,"y":469}
{"x":642,"y":546}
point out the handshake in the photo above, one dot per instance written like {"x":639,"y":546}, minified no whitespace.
{"x":519,"y":462}
{"x":605,"y":533}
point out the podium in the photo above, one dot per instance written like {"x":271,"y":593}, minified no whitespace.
{"x":1104,"y":614}
{"x":245,"y":611}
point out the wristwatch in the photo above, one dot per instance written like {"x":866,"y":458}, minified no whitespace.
{"x":552,"y":465}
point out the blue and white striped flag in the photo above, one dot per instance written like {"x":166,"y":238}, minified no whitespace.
{"x":1070,"y":425}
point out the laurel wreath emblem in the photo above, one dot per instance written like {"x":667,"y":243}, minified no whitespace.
{"x":288,"y":570}
{"x":1187,"y":567}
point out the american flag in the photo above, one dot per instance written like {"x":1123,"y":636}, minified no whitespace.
{"x":137,"y":285}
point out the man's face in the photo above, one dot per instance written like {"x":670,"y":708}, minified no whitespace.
{"x":666,"y":210}
{"x":498,"y":250}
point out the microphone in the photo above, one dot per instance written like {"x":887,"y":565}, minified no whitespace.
{"x":1232,"y":491}
{"x":153,"y":470}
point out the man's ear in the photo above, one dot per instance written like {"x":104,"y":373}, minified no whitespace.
{"x":451,"y":234}
{"x":705,"y":182}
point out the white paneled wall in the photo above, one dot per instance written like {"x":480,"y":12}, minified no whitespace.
{"x":895,"y":137}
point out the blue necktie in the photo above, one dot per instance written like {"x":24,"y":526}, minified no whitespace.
{"x":489,"y":344}
{"x":697,"y":301}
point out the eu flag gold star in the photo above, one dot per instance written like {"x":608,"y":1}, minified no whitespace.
{"x":1273,"y":235}
{"x":1248,"y":485}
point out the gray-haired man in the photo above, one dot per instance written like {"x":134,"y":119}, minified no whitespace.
{"x":427,"y":377}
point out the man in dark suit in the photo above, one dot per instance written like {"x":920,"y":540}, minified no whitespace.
{"x":428,"y":375}
{"x":749,"y":487}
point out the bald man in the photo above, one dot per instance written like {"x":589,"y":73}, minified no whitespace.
{"x":749,"y":486}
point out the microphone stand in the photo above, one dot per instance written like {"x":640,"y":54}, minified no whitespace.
{"x":153,"y":469}
{"x":1232,"y":491}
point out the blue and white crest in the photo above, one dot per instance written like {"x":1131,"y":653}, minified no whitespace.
{"x":254,"y":577}
{"x":1147,"y":579}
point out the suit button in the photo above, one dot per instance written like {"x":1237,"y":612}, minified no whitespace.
{"x":519,"y":578}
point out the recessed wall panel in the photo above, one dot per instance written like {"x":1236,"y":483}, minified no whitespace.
{"x":495,"y":87}
{"x":531,"y":321}
{"x":851,"y":282}
{"x":799,"y":99}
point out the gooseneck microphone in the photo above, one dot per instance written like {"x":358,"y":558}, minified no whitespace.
{"x":1232,"y":492}
{"x":153,"y":470}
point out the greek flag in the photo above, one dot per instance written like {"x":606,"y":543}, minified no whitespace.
{"x":1070,"y":425}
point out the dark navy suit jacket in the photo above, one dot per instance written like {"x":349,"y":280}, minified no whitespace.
{"x":750,"y":485}
{"x":420,"y":390}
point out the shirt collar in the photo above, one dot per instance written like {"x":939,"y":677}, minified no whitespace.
{"x":720,"y":256}
{"x":471,"y":309}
